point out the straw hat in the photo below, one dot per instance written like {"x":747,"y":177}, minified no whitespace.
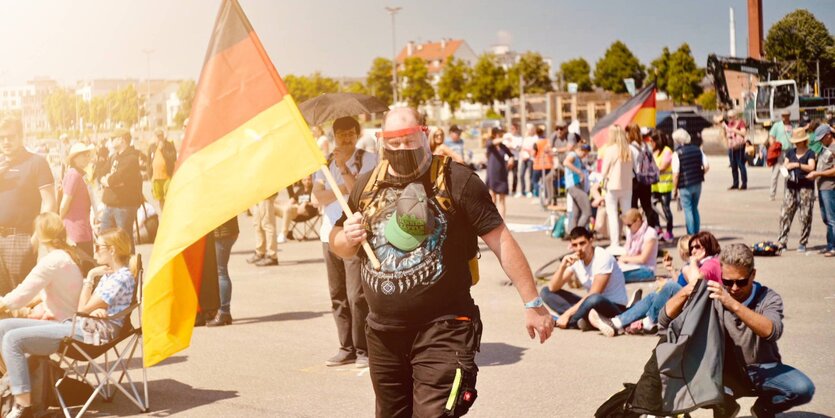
{"x":799,"y":135}
{"x":78,"y":148}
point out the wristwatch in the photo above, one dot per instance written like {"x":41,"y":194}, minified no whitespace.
{"x":536,"y":303}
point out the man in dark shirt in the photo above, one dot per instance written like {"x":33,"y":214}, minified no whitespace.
{"x":423,"y":325}
{"x":26,"y":189}
{"x":122,"y":194}
{"x":754,"y":322}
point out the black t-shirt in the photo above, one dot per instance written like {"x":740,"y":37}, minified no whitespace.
{"x":124,"y":184}
{"x":432,"y":281}
{"x":20,"y":197}
{"x":797,"y":177}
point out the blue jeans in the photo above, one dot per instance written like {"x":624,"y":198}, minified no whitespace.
{"x":827,"y":203}
{"x":524,"y":175}
{"x":737,"y":158}
{"x":562,"y":300}
{"x":780,"y":387}
{"x":223,"y":249}
{"x":640,"y":274}
{"x":19,"y":337}
{"x":690,"y":204}
{"x":536,"y":176}
{"x":119,"y":217}
{"x":650,"y":305}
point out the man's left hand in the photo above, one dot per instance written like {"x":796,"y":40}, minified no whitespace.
{"x":718,"y":292}
{"x":539,"y":321}
{"x":562,"y":321}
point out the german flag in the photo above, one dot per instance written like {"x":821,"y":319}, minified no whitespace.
{"x":639,"y":109}
{"x":245,"y":141}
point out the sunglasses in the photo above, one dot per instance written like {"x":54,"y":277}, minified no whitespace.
{"x":740,"y":283}
{"x":696,"y":246}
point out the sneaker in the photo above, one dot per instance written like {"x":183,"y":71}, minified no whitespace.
{"x":584,"y":325}
{"x":743,"y":187}
{"x":255,"y":258}
{"x":341,"y":358}
{"x":733,"y":188}
{"x":668,"y":236}
{"x":757,"y":411}
{"x":517,"y":195}
{"x":281,"y":239}
{"x":529,"y":195}
{"x":603,"y":323}
{"x":220,"y":320}
{"x":801,"y":248}
{"x":267,"y":261}
{"x":635,"y":297}
{"x":362,"y":361}
{"x":830,"y":253}
{"x":21,"y":412}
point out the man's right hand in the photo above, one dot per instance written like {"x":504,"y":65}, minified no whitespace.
{"x":342,"y":154}
{"x":354,"y":231}
{"x":569,"y":260}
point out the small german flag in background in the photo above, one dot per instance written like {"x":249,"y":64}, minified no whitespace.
{"x":640,"y":109}
{"x":245,"y":141}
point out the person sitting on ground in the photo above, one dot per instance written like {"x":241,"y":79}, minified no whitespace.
{"x":437,"y":146}
{"x":299,"y":205}
{"x":113,"y":294}
{"x":54,"y":284}
{"x":599,"y":274}
{"x":699,"y":254}
{"x":638,"y":264}
{"x":753,"y":318}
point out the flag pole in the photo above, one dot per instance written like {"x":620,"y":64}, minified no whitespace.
{"x":344,"y":203}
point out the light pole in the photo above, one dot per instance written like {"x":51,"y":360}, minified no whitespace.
{"x":393,"y":11}
{"x":148,"y":53}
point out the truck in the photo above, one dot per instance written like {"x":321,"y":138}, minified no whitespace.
{"x":772,"y":94}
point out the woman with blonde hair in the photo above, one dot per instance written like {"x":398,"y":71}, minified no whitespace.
{"x":436,"y":145}
{"x":617,"y":177}
{"x":107,"y":291}
{"x":55,"y":281}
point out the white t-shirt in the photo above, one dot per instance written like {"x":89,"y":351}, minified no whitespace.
{"x":651,"y":234}
{"x":527,"y":147}
{"x":333,"y":211}
{"x":603,"y":263}
{"x":676,"y":165}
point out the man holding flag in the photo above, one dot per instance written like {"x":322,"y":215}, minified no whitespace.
{"x":422,"y":215}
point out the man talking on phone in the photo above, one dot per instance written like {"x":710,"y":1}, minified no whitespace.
{"x":597,"y":271}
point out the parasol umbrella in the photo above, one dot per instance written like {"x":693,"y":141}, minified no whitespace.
{"x":336,"y":105}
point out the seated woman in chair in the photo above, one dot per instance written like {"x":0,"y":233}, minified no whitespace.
{"x":53,"y":286}
{"x":300,"y":205}
{"x":114,"y":283}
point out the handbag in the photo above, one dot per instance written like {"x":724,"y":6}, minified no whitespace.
{"x":773,"y":155}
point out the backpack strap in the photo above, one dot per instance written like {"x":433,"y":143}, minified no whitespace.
{"x":369,"y":191}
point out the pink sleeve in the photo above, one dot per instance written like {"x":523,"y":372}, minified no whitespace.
{"x":34,"y":282}
{"x":712,"y":270}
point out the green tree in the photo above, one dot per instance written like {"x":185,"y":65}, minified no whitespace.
{"x":683,"y":76}
{"x":185,"y":92}
{"x":60,"y":108}
{"x":577,"y":71}
{"x":658,"y":70}
{"x":617,"y":64}
{"x":97,"y":113}
{"x":707,"y":100}
{"x":535,"y":71}
{"x":452,"y":88}
{"x":378,"y":80}
{"x":489,"y":81}
{"x":123,"y":106}
{"x":356,"y":87}
{"x":800,"y":40}
{"x":303,"y":88}
{"x":418,"y":90}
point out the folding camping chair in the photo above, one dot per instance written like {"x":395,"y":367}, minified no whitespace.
{"x":306,"y":226}
{"x":80,"y":359}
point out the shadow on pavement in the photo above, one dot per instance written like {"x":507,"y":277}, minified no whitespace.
{"x":319,"y":260}
{"x":796,"y":414}
{"x":169,"y":397}
{"x":499,"y":354}
{"x":283,"y":316}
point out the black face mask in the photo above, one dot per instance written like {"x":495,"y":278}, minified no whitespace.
{"x":406,"y":162}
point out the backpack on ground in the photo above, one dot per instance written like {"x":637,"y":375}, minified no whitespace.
{"x":647,"y":169}
{"x":558,"y":231}
{"x":439,"y":174}
{"x":766,"y":249}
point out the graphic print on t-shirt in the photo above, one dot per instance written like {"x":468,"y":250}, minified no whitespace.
{"x":402,"y":271}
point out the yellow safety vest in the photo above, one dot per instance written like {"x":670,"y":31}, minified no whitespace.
{"x":665,"y":178}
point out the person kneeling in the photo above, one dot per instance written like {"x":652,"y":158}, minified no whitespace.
{"x":753,"y":322}
{"x":597,"y":271}
{"x":112,"y":295}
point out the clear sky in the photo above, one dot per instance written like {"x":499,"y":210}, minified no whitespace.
{"x":81,"y":39}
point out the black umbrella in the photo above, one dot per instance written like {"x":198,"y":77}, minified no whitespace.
{"x":336,"y":105}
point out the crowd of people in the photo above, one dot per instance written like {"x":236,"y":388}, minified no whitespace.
{"x":420,"y":295}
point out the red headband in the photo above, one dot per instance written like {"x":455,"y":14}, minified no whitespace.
{"x":403,"y":132}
